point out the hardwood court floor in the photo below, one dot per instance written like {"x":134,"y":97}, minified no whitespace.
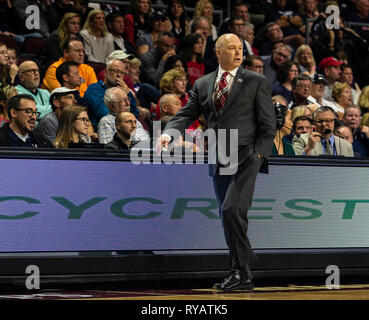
{"x":287,"y":292}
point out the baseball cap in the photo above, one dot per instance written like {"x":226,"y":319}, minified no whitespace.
{"x":61,"y":91}
{"x":119,"y":55}
{"x":329,"y":62}
{"x":319,"y":78}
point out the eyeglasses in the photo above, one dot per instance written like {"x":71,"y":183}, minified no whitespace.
{"x":29,"y":112}
{"x":31,"y":71}
{"x":85,"y":120}
{"x":239,"y":25}
{"x":282,"y":55}
{"x":116,"y":71}
{"x":124,"y":100}
{"x":324,"y":120}
{"x":304,"y":86}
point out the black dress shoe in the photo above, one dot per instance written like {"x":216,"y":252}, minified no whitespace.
{"x":237,"y":280}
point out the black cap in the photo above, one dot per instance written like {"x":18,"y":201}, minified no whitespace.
{"x":319,"y":78}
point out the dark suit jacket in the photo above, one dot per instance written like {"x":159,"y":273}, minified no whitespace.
{"x":248,"y":108}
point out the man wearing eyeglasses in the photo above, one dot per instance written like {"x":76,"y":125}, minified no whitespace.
{"x":19,"y":132}
{"x":301,"y":90}
{"x":29,"y":76}
{"x":322,"y":141}
{"x":94,"y":96}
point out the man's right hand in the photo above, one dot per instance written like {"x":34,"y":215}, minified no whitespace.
{"x":162,"y":142}
{"x":170,"y":53}
{"x":314,"y":137}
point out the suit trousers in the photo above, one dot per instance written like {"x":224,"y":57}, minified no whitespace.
{"x":234,"y":194}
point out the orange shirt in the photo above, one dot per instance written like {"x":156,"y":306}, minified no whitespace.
{"x":85,"y":71}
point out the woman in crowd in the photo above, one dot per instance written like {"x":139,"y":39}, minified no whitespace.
{"x":173,"y":81}
{"x":69,"y":28}
{"x":347,"y":76}
{"x":73,"y":127}
{"x":305,"y":59}
{"x":175,"y":62}
{"x":285,"y":75}
{"x":99,"y":43}
{"x":300,"y":111}
{"x":136,"y":22}
{"x":342,"y":96}
{"x":7,"y":72}
{"x":178,"y":18}
{"x":158,"y":23}
{"x":205,"y":8}
{"x":363,"y":101}
{"x":191,"y":52}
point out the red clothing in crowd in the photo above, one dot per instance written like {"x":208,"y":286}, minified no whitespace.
{"x":195,"y":70}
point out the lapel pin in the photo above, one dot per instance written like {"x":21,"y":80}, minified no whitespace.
{"x":239,"y":80}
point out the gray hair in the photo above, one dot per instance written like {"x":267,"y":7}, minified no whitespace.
{"x":111,"y":96}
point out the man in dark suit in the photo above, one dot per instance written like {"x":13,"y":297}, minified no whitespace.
{"x":232,"y":98}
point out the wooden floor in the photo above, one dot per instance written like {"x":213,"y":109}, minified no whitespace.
{"x":286,"y":292}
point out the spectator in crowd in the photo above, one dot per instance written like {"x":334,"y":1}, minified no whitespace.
{"x":286,"y":73}
{"x":177,"y":15}
{"x":115,"y":24}
{"x":153,"y":62}
{"x":5,"y":94}
{"x":240,"y":9}
{"x":272,"y":64}
{"x":116,"y":100}
{"x":254,"y":63}
{"x":29,"y":81}
{"x":136,"y":21}
{"x":73,"y":127}
{"x":365,"y":120}
{"x":283,"y":119}
{"x":94,"y":96}
{"x":357,"y":12}
{"x":175,"y":62}
{"x":13,"y":57}
{"x":301,"y":125}
{"x":174,"y":81}
{"x":309,"y":11}
{"x":72,"y":51}
{"x":317,"y":91}
{"x":330,"y":68}
{"x":47,"y":18}
{"x":345,"y":132}
{"x":169,"y":104}
{"x":158,"y":23}
{"x":81,"y":7}
{"x":322,"y":141}
{"x":7,"y":72}
{"x":342,"y":97}
{"x":305,"y":60}
{"x":69,"y":28}
{"x":134,"y":73}
{"x":301,"y":90}
{"x":352,"y":119}
{"x":205,"y":8}
{"x":191,"y":52}
{"x":289,"y":21}
{"x":249,"y":39}
{"x":300,"y":111}
{"x":19,"y":132}
{"x":59,"y":99}
{"x":347,"y":76}
{"x":68,"y":76}
{"x":61,"y":7}
{"x":201,"y":25}
{"x":8,"y":19}
{"x":99,"y":43}
{"x":363,"y":101}
{"x":125,"y":124}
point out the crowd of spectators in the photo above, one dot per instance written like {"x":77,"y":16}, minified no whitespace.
{"x":102,"y":73}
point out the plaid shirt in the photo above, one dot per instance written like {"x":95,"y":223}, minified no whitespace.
{"x":106,"y":130}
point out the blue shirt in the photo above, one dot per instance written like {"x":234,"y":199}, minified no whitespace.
{"x":331,"y":142}
{"x":94,"y":101}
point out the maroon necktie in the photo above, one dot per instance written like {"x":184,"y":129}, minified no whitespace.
{"x":222,"y":92}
